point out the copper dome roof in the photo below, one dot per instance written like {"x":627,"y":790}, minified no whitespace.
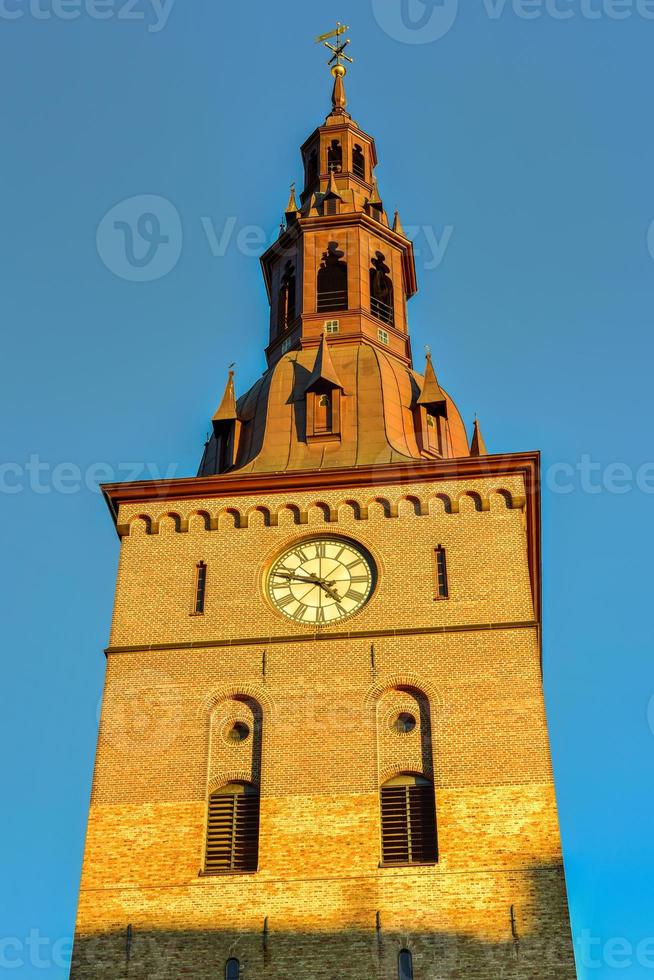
{"x":379,"y":397}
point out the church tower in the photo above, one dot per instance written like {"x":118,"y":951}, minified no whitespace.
{"x":323,"y":750}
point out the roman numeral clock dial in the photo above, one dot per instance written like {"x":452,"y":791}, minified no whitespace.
{"x":321,"y":581}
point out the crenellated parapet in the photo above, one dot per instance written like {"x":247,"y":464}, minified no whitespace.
{"x":364,"y":508}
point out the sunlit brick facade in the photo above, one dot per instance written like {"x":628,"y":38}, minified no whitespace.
{"x":384,"y":720}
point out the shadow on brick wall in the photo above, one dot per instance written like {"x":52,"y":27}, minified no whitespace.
{"x":356,"y":954}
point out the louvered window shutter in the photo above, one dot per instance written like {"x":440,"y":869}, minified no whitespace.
{"x":232,"y":830}
{"x":408,"y":816}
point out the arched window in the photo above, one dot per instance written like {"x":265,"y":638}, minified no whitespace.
{"x":233,"y":830}
{"x":381,"y":290}
{"x":332,"y":280}
{"x":358,"y":162}
{"x":405,"y":965}
{"x":408,"y":819}
{"x":323,"y":420}
{"x":233,"y":969}
{"x":312,"y":168}
{"x":286,"y":304}
{"x":335,"y":157}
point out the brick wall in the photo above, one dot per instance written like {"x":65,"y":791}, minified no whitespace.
{"x":319,"y":707}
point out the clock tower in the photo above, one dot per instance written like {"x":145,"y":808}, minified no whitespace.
{"x":323,"y":750}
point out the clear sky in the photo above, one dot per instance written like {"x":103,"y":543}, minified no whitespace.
{"x":518,"y":145}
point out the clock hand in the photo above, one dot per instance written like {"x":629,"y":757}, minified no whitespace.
{"x":323,"y":583}
{"x":327,"y":588}
{"x":300,"y":578}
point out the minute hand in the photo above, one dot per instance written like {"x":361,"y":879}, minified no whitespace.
{"x":321,"y":582}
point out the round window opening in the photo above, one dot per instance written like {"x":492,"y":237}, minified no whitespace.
{"x":238,"y":732}
{"x":404,"y":723}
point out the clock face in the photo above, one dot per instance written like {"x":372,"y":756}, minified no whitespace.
{"x":321,"y":580}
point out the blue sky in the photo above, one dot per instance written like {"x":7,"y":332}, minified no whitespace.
{"x":519,"y":145}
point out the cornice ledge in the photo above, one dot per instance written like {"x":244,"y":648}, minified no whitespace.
{"x":233,"y":484}
{"x":316,"y":635}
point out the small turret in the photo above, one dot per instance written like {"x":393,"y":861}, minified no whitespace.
{"x":478,"y":446}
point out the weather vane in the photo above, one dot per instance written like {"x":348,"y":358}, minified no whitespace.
{"x":337,"y":49}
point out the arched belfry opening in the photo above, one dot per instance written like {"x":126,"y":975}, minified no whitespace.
{"x":358,"y":162}
{"x":332,"y":281}
{"x":335,"y":157}
{"x":381,"y":290}
{"x":287,"y":297}
{"x":312,"y":167}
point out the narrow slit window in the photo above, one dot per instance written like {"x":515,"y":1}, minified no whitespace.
{"x":442,"y":591}
{"x":232,"y":969}
{"x":405,"y":965}
{"x":200,"y":588}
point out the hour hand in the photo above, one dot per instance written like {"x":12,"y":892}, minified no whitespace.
{"x":327,"y":587}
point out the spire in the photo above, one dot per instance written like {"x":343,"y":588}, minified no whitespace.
{"x":397,"y":225}
{"x":478,"y":446}
{"x":323,"y":368}
{"x":339,"y":100}
{"x":227,"y":409}
{"x":292,"y":206}
{"x":375,"y":199}
{"x":336,"y":63}
{"x":432,"y":394}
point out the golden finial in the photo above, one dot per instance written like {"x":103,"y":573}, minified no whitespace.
{"x":338,"y":69}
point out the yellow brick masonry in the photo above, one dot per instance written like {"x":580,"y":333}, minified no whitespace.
{"x":494,"y":905}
